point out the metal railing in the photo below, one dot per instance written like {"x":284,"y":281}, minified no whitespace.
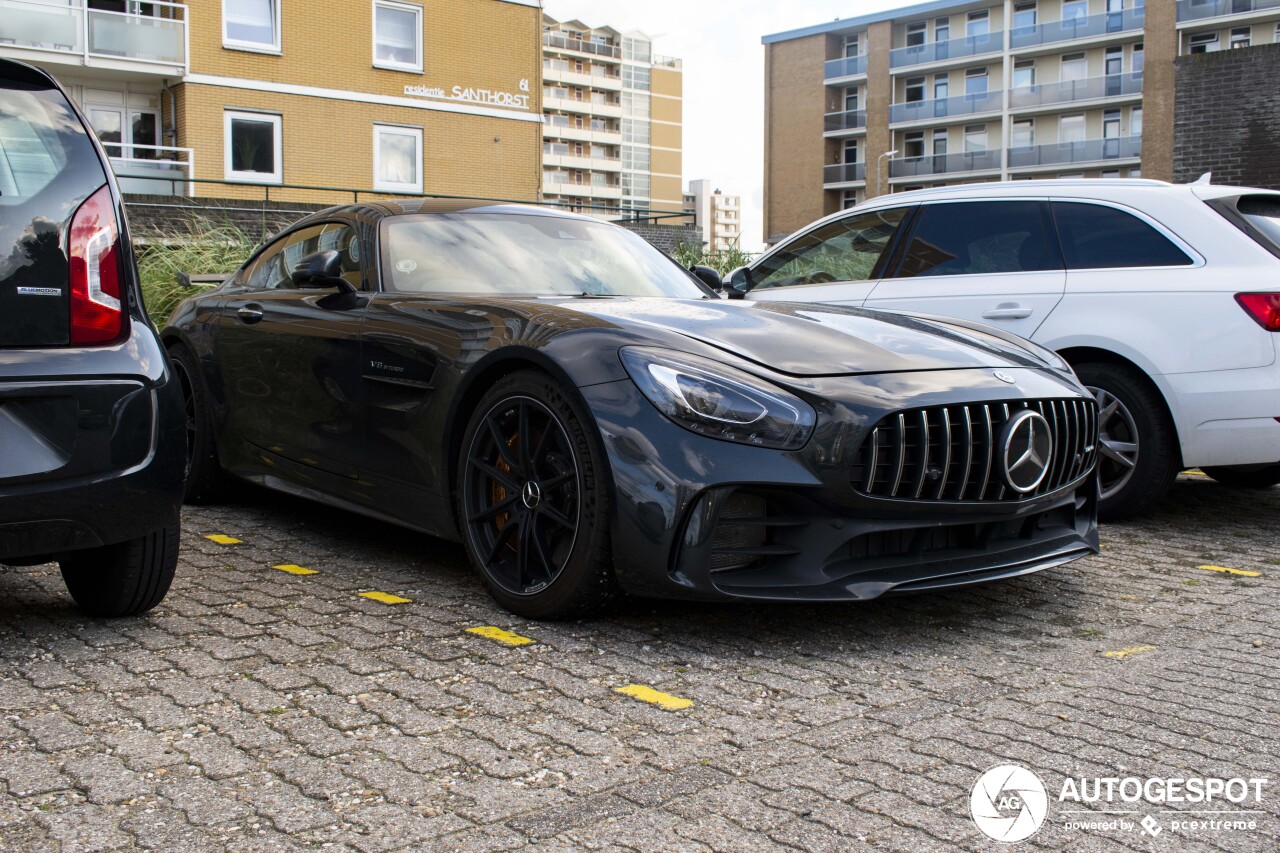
{"x":1196,"y":10}
{"x":938,"y":51}
{"x":849,"y":66}
{"x":74,"y":28}
{"x":566,"y":43}
{"x":843,"y":173}
{"x":937,"y":164}
{"x":1090,"y":88}
{"x":961,"y":105}
{"x":847,"y":120}
{"x":1090,"y":26}
{"x":137,"y":166}
{"x":1086,"y":151}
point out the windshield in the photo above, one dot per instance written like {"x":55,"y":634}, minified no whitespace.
{"x":524,"y":255}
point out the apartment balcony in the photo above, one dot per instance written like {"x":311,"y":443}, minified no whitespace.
{"x":845,"y":121}
{"x":561,"y":42}
{"x":1090,"y":27}
{"x":584,"y":107}
{"x":1076,"y":153}
{"x":592,"y":191}
{"x":153,"y":169}
{"x":844,"y":173}
{"x":569,"y":133}
{"x":1070,"y":91}
{"x":940,"y":51}
{"x":941,"y":108}
{"x":941,"y":164}
{"x":1199,"y":10}
{"x":849,"y":66}
{"x":75,"y":34}
{"x":607,"y":82}
{"x":583,"y":161}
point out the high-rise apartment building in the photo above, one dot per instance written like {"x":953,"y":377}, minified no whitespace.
{"x":378,"y":96}
{"x":716,"y":215}
{"x":956,"y":92}
{"x":612,"y":120}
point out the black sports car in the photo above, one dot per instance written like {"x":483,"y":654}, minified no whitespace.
{"x":590,"y":418}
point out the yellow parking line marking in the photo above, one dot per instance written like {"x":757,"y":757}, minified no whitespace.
{"x":665,"y":701}
{"x":1244,"y":573}
{"x":385,"y":597}
{"x":494,"y":633}
{"x":1195,"y":472}
{"x":1124,"y":653}
{"x":295,"y":570}
{"x":222,"y":539}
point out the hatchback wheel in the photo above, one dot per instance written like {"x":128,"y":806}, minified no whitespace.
{"x":125,"y":579}
{"x":1138,"y":453}
{"x":533,"y":502}
{"x":1246,"y":476}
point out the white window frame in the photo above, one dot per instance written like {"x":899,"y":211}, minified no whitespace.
{"x":979,"y":20}
{"x":397,"y":130}
{"x":1208,"y":41}
{"x":399,"y":7}
{"x":277,"y":142}
{"x":256,"y":46}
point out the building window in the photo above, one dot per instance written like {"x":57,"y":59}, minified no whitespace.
{"x":1135,"y":121}
{"x":975,"y":81}
{"x":915,"y":90}
{"x":1073,"y":10}
{"x":1241,"y":37}
{"x":1071,"y":128}
{"x":1115,"y":6}
{"x":1024,"y":73}
{"x":397,"y":36}
{"x":849,"y":199}
{"x":941,"y":86}
{"x":1024,"y":15}
{"x":397,"y":158}
{"x":850,"y":99}
{"x":1204,"y":43}
{"x":1137,"y":59}
{"x":850,"y":151}
{"x":979,"y":24}
{"x":1024,"y":134}
{"x":254,"y":24}
{"x":975,"y":137}
{"x":940,"y":142}
{"x":1113,"y":63}
{"x":942,"y":29}
{"x":252,"y":143}
{"x":1074,"y":67}
{"x":851,"y":45}
{"x":913,"y":144}
{"x":1135,"y":173}
{"x":915,"y":33}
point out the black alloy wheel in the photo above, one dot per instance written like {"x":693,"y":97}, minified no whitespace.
{"x":531,"y":501}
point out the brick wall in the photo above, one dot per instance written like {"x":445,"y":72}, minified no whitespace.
{"x":1228,"y":117}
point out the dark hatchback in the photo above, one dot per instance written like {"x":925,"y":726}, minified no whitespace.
{"x":588,"y":418}
{"x":92,"y":439}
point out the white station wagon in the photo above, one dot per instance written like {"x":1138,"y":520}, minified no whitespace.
{"x":1165,"y":299}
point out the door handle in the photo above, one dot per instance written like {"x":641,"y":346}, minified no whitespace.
{"x":250,"y":313}
{"x":1006,"y":311}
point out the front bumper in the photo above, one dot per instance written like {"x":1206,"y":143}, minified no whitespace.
{"x":704,"y":519}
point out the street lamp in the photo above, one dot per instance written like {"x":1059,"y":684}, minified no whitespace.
{"x":879,"y":161}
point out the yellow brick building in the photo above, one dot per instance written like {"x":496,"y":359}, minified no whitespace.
{"x":221,"y":97}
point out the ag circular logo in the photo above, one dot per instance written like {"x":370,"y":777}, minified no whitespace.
{"x":1008,"y":803}
{"x":1028,"y":450}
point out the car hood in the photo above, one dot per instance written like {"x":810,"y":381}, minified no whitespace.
{"x":801,"y":339}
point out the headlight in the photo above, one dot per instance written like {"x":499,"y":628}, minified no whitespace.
{"x":719,"y":402}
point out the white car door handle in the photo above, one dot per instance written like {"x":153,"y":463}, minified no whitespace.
{"x":1006,"y":311}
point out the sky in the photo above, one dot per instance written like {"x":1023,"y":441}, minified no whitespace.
{"x":719,"y":42}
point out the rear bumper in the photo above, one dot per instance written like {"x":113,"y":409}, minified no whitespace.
{"x":1226,"y":417}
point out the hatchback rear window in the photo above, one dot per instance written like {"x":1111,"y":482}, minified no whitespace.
{"x":48,"y":166}
{"x":1256,"y":215}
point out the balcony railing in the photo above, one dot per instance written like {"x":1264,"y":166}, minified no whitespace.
{"x":73,"y":28}
{"x":151,"y":169}
{"x":843,"y":173}
{"x":848,"y":120}
{"x":1088,"y":89}
{"x":961,"y":105}
{"x":1196,"y":10}
{"x":560,"y":42}
{"x":937,"y":164}
{"x":940,"y":50}
{"x":1091,"y":26}
{"x":849,"y":66}
{"x":1086,"y":151}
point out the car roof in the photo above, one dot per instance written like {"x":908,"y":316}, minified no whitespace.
{"x":451,"y":206}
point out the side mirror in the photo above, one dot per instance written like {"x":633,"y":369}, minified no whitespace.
{"x":707,"y":276}
{"x":321,"y":270}
{"x":738,"y":283}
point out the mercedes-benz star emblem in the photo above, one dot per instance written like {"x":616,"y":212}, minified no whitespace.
{"x":1004,"y":377}
{"x":531,"y":494}
{"x":1028,"y":450}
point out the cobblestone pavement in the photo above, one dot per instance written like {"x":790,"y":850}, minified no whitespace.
{"x":261,"y":710}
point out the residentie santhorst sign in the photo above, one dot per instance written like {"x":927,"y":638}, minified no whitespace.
{"x":489,"y":97}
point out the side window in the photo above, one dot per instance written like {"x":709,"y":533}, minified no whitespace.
{"x":845,"y":250}
{"x":274,"y":268}
{"x":1098,"y":237}
{"x":980,"y":237}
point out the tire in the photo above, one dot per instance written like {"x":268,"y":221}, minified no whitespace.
{"x":1139,"y":456}
{"x":125,"y":579}
{"x":205,"y":480}
{"x":535,"y":522}
{"x":1246,"y":476}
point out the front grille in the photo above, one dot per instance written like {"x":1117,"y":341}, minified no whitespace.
{"x":953,"y":453}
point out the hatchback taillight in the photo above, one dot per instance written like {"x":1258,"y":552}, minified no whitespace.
{"x":1263,"y":308}
{"x":97,"y":305}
